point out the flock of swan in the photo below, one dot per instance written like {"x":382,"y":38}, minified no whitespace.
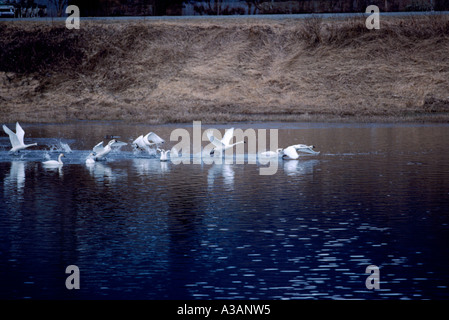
{"x":99,"y":151}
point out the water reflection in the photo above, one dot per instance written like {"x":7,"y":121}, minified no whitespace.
{"x":16,"y":179}
{"x":14,"y":183}
{"x":101,"y":172}
{"x":299,"y":167}
{"x":140,"y":228}
{"x":224,"y":171}
{"x":56,"y":171}
{"x":150,"y":166}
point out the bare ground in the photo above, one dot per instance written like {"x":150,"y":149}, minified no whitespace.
{"x":226,"y":70}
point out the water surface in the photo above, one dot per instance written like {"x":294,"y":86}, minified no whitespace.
{"x":138,"y":228}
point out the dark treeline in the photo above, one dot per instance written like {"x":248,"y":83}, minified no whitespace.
{"x":229,"y":7}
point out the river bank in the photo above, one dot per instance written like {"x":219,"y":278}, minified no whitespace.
{"x":223,"y":70}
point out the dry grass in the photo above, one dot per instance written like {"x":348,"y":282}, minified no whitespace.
{"x":226,"y":70}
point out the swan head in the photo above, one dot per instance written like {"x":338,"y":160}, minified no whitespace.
{"x":278,"y":150}
{"x":62,"y":155}
{"x":212,"y":152}
{"x":112,"y":142}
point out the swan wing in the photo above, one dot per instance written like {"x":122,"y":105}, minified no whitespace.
{"x":291,"y":153}
{"x":139,"y":142}
{"x":214,"y":140}
{"x":153,"y":138}
{"x":12,"y":137}
{"x":19,"y":133}
{"x":304,"y":148}
{"x":99,"y":148}
{"x":227,"y":138}
{"x":119,"y":144}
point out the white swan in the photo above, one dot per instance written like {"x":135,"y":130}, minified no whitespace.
{"x":290,"y":152}
{"x":17,"y":138}
{"x":100,"y":151}
{"x":272,"y":154}
{"x":164,"y":153}
{"x":54,"y":162}
{"x":223,"y":144}
{"x":305,"y":148}
{"x":90,"y":158}
{"x":150,"y":139}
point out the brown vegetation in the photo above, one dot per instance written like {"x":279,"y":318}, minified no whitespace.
{"x":226,"y":70}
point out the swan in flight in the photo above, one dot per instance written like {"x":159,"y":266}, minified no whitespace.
{"x":54,"y":162}
{"x":290,"y":152}
{"x":100,"y":151}
{"x":150,"y":139}
{"x":223,"y":144}
{"x":17,"y":138}
{"x":164,"y":153}
{"x":305,"y":148}
{"x":272,"y":154}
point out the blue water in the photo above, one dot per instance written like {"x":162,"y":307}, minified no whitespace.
{"x":141,"y":229}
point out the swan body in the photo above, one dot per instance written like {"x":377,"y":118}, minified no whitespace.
{"x":16,"y":139}
{"x":272,"y":154}
{"x":223,"y":144}
{"x":305,"y":148}
{"x":90,"y":159}
{"x":291,"y":152}
{"x":100,"y":151}
{"x":150,"y":139}
{"x":54,"y":162}
{"x":164,"y":153}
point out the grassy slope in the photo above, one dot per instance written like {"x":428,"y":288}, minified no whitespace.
{"x":226,"y":70}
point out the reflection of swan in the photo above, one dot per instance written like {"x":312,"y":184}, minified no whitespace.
{"x":54,"y":163}
{"x":226,"y":171}
{"x":17,"y":138}
{"x":13,"y":188}
{"x":100,"y":171}
{"x":290,"y":153}
{"x":147,"y":166}
{"x":150,"y":139}
{"x":16,"y":175}
{"x":223,"y":144}
{"x":100,"y":152}
{"x":292,"y":168}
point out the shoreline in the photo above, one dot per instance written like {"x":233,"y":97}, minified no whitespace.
{"x":221,"y":71}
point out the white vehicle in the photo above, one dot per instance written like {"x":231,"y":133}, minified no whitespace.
{"x":7,"y":10}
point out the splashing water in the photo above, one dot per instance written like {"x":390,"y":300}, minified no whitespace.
{"x":60,"y":147}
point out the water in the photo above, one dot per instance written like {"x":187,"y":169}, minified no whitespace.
{"x":138,"y":228}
